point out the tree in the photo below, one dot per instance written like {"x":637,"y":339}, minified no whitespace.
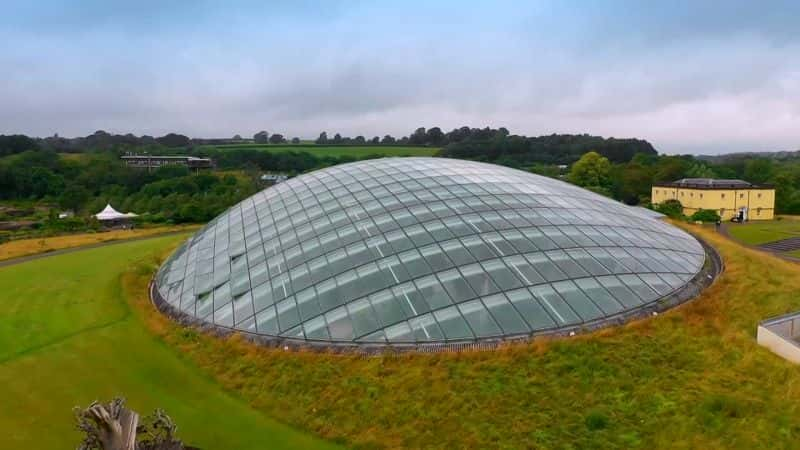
{"x":323,"y":138}
{"x":73,"y":197}
{"x":172,"y":140}
{"x":295,"y":140}
{"x":277,"y":139}
{"x":591,"y":171}
{"x":699,"y":170}
{"x":388,"y":140}
{"x":758,"y":171}
{"x":359,"y":140}
{"x":337,"y":138}
{"x":418,"y":137}
{"x":375,"y":140}
{"x":435,"y":137}
{"x":262,"y":137}
{"x":237,"y":137}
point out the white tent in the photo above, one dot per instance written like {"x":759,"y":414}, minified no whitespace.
{"x":109,"y":213}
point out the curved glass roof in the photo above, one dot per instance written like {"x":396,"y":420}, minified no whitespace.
{"x":413,"y":250}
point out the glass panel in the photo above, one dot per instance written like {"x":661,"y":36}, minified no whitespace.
{"x":620,"y":292}
{"x":399,"y":333}
{"x":287,"y":314}
{"x":387,"y":308}
{"x":545,"y":267}
{"x":566,"y":264}
{"x":479,"y":319}
{"x":307,"y":303}
{"x":502,"y":275}
{"x":267,"y":321}
{"x":453,"y":325}
{"x":599,"y":295}
{"x":339,"y":325}
{"x":425,"y":328}
{"x":639,"y":287}
{"x":477,"y":247}
{"x":579,"y":302}
{"x":316,"y":329}
{"x":587,"y":262}
{"x":656,"y":283}
{"x":363,"y":319}
{"x":433,"y":292}
{"x":436,"y":257}
{"x":414,"y":263}
{"x":555,"y":305}
{"x":479,"y":280}
{"x":505,"y":314}
{"x":524,"y":270}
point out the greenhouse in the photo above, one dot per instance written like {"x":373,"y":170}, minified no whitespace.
{"x":411,"y":251}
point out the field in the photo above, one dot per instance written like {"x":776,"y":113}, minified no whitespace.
{"x":756,"y":233}
{"x":355,"y":151}
{"x":23,"y":247}
{"x":68,"y":337}
{"x":690,"y":378}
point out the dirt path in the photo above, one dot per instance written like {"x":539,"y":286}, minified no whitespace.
{"x":24,"y":259}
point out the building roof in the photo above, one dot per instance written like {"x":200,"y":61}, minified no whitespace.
{"x":186,"y":158}
{"x":424,"y":250}
{"x":109,"y":213}
{"x":712,"y":183}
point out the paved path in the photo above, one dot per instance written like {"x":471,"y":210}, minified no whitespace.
{"x":768,"y":247}
{"x":784,"y":245}
{"x":24,"y":259}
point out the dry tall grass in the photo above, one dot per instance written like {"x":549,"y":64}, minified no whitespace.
{"x":690,"y":378}
{"x":25,"y":247}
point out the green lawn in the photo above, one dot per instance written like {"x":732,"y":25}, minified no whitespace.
{"x":337,"y":151}
{"x":756,"y":233}
{"x":68,"y":337}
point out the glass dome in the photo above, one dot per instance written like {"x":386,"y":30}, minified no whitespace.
{"x":419,"y":250}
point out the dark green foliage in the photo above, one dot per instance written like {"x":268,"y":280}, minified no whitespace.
{"x":16,"y":143}
{"x":705,"y":215}
{"x":171,"y":193}
{"x":596,"y":420}
{"x":670,"y":208}
{"x":174,"y":140}
{"x":490,"y":144}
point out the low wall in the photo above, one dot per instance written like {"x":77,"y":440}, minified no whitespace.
{"x":778,"y":334}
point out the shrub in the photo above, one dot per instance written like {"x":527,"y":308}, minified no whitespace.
{"x":670,"y":208}
{"x":705,"y":215}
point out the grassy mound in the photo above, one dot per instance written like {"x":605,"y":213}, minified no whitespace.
{"x":68,"y":337}
{"x":690,"y":378}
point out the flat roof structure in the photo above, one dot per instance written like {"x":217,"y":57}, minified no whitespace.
{"x":712,"y":183}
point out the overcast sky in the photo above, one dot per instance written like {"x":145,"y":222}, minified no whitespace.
{"x":693,"y":77}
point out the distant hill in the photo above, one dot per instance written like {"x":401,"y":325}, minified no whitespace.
{"x":727,"y":157}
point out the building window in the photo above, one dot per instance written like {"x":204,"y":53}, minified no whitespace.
{"x":758,"y":211}
{"x":701,"y":195}
{"x":759,"y":195}
{"x":682,"y":194}
{"x":723,"y":195}
{"x":691,"y":194}
{"x":741,"y":195}
{"x":722,"y":211}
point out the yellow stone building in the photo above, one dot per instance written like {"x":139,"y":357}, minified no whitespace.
{"x":730,"y":198}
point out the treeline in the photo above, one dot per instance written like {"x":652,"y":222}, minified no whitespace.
{"x":631,"y":181}
{"x":85,"y":185}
